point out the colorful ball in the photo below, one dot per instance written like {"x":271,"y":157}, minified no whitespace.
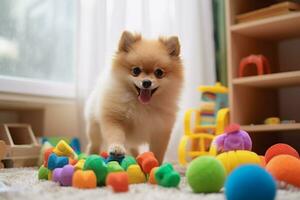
{"x":206,"y":174}
{"x":250,"y":182}
{"x":278,"y":149}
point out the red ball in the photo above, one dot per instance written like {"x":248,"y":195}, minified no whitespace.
{"x":279,"y":149}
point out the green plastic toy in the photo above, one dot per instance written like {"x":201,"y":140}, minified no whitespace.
{"x":166,"y":176}
{"x":82,"y":156}
{"x":206,"y":174}
{"x":97,"y":164}
{"x":43,"y":173}
{"x":114,"y":166}
{"x":127,"y":161}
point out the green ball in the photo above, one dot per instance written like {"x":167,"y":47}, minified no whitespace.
{"x":206,"y":174}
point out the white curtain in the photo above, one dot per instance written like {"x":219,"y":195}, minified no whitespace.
{"x":101,"y":23}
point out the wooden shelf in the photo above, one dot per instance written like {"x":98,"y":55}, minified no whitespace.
{"x":273,"y":127}
{"x":272,"y":28}
{"x":275,"y":80}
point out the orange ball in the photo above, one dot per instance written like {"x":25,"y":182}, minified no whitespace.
{"x":84,"y":179}
{"x":119,"y":181}
{"x":279,"y":149}
{"x":152,"y":176}
{"x":285,"y":168}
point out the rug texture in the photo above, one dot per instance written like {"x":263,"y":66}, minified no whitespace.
{"x":22,"y":183}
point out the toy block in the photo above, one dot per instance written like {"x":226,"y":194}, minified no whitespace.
{"x":97,"y":164}
{"x":84,"y":179}
{"x":55,"y":161}
{"x":147,"y":161}
{"x":63,"y":175}
{"x":136,"y":174}
{"x":127,"y":161}
{"x":63,"y":149}
{"x":166,"y":176}
{"x":118,"y":181}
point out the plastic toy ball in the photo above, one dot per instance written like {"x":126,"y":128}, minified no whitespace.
{"x":249,"y":182}
{"x":206,"y":174}
{"x":278,"y":149}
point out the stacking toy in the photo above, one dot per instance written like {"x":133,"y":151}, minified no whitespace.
{"x":43,"y":173}
{"x":166,"y":176}
{"x":97,"y":164}
{"x":151,"y":179}
{"x":233,"y":159}
{"x":79,"y":164}
{"x":84,"y":179}
{"x":249,"y":182}
{"x":63,"y":149}
{"x":118,"y":181}
{"x":127,"y":161}
{"x":55,"y":161}
{"x":75,"y":144}
{"x":46,"y":155}
{"x":114,"y":166}
{"x":278,"y":149}
{"x":63,"y":175}
{"x":135,"y":174}
{"x":285,"y":168}
{"x":147,"y":161}
{"x":206,"y":174}
{"x":113,"y":157}
{"x":104,"y":154}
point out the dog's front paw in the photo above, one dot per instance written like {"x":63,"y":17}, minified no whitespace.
{"x":116,"y":150}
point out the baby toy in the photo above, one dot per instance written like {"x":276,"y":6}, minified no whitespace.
{"x":55,"y":161}
{"x":72,"y":161}
{"x":118,"y":181}
{"x":97,"y":164}
{"x":46,"y":155}
{"x":127,"y":161}
{"x":233,"y":159}
{"x":286,"y":169}
{"x":82,"y":156}
{"x":113,"y":157}
{"x":261,"y":63}
{"x":233,"y":139}
{"x":63,"y":175}
{"x":147,"y":161}
{"x":151,"y":179}
{"x":272,"y":120}
{"x":46,"y":145}
{"x":205,"y":174}
{"x":278,"y":149}
{"x":84,"y":179}
{"x":114,"y":166}
{"x":135,"y":174}
{"x":79,"y":164}
{"x":104,"y":154}
{"x":249,"y":182}
{"x":166,"y":176}
{"x":50,"y":175}
{"x":63,"y":149}
{"x":75,"y":144}
{"x":43,"y":173}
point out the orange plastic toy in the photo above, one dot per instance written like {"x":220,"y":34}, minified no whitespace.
{"x":46,"y":156}
{"x":147,"y":161}
{"x":118,"y":181}
{"x":72,"y":161}
{"x":278,"y":149}
{"x":260,"y":61}
{"x":152,"y":176}
{"x":84,"y":179}
{"x":285,"y":168}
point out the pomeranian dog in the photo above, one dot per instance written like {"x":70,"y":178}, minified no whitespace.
{"x":136,"y":103}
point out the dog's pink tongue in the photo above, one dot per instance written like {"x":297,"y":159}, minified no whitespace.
{"x":145,"y":96}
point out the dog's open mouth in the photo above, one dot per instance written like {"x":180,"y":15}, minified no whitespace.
{"x":144,"y":95}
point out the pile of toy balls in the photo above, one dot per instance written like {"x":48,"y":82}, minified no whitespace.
{"x":64,"y":166}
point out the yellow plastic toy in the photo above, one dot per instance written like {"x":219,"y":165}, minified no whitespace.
{"x":210,"y":120}
{"x":79,"y":164}
{"x":135,"y":174}
{"x":63,"y":149}
{"x":233,"y":159}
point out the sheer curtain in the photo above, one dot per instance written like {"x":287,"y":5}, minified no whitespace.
{"x":101,"y":23}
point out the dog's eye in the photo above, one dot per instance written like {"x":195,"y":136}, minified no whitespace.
{"x":136,"y":71}
{"x":159,"y":73}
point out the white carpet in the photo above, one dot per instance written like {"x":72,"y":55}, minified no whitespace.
{"x":22,"y":183}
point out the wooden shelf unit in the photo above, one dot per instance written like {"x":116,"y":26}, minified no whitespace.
{"x":252,"y":99}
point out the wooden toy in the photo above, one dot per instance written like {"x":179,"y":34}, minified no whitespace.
{"x":250,"y":182}
{"x":166,"y":176}
{"x":43,"y":173}
{"x":135,"y":174}
{"x":63,"y":175}
{"x":119,"y":181}
{"x":151,"y":179}
{"x":47,"y":153}
{"x":114,"y":166}
{"x":279,"y":149}
{"x":63,"y":149}
{"x":147,"y":161}
{"x":233,"y":159}
{"x":55,"y":161}
{"x":22,"y":148}
{"x":286,"y":169}
{"x":79,"y":164}
{"x":261,"y":63}
{"x":84,"y":179}
{"x":127,"y":161}
{"x":97,"y":164}
{"x":208,"y":121}
{"x":205,"y":174}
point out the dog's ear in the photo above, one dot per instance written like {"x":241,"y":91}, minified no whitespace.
{"x":127,"y":40}
{"x":172,"y":44}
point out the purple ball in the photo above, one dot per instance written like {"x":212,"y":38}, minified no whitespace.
{"x":67,"y":175}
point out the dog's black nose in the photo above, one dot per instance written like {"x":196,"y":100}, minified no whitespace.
{"x":146,"y":83}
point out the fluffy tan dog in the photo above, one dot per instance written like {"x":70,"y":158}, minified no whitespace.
{"x":136,"y":103}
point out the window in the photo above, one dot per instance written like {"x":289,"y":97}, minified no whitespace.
{"x":37,"y":46}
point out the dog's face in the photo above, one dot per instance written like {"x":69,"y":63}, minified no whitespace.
{"x":150,"y":68}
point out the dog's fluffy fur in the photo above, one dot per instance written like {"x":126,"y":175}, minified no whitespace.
{"x":120,"y":113}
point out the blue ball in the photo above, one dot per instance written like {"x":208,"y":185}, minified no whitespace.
{"x":249,"y":182}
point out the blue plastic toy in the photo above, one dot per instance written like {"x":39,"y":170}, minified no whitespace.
{"x":118,"y":158}
{"x":55,"y":161}
{"x":75,"y":144}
